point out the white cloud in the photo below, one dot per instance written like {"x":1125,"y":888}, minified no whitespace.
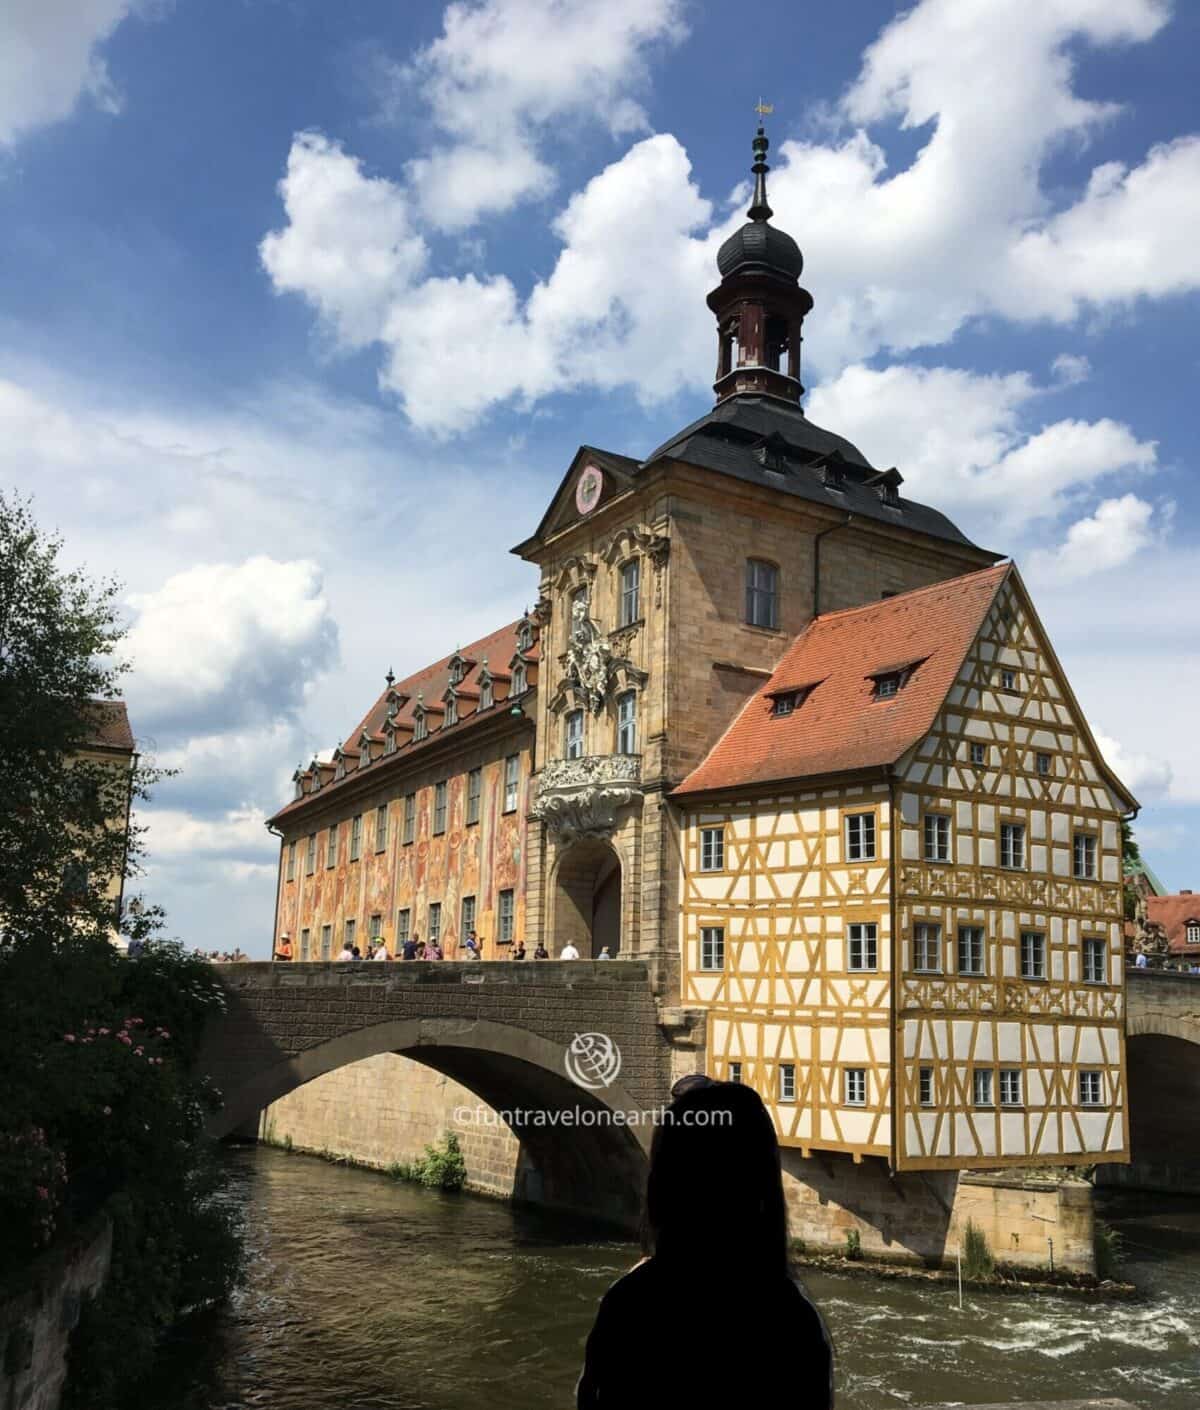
{"x":502,"y":71}
{"x":1106,"y":538}
{"x":49,"y":59}
{"x":230,"y":642}
{"x":240,"y":833}
{"x":1145,"y":775}
{"x":1069,"y":369}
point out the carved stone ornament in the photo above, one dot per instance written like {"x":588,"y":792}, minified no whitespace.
{"x":589,"y":658}
{"x":580,"y":797}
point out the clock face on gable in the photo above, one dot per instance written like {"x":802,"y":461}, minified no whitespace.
{"x":587,"y":489}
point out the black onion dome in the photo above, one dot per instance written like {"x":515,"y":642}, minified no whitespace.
{"x":759,"y":248}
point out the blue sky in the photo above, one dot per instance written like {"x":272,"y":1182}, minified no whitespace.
{"x":305,"y":308}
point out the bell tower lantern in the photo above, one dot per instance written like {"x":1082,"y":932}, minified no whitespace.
{"x":759,"y":304}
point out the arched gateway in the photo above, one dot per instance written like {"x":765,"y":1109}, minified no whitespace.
{"x":587,"y":898}
{"x":501,"y":1030}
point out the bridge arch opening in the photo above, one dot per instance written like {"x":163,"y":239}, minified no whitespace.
{"x":1163,"y":1073}
{"x":587,"y":898}
{"x":581,"y":1150}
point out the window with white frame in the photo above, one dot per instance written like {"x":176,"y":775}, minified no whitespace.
{"x":435,"y":922}
{"x":787,"y":1081}
{"x":762,"y":593}
{"x":420,"y":725}
{"x":356,"y":837}
{"x":631,"y":583}
{"x":451,"y":715}
{"x":735,"y":1071}
{"x":786,"y":702}
{"x":327,"y":942}
{"x":937,"y":837}
{"x":925,"y":1086}
{"x":381,"y":828}
{"x":1012,"y":845}
{"x":978,"y":754}
{"x":1085,"y":856}
{"x":525,"y":636}
{"x":1010,"y":1086}
{"x":1091,"y":1089}
{"x":887,"y":685}
{"x":310,"y":854}
{"x":474,"y":791}
{"x":291,"y":861}
{"x":627,"y":722}
{"x":854,"y":1086}
{"x":927,"y":948}
{"x":331,"y":844}
{"x":1008,"y":679}
{"x":512,"y":782}
{"x":863,"y":945}
{"x":410,"y":818}
{"x":981,"y":1086}
{"x":712,"y":849}
{"x":970,"y":949}
{"x":504,"y":921}
{"x":860,"y":837}
{"x":1095,"y":960}
{"x":573,"y":744}
{"x":364,"y":753}
{"x":403,"y":925}
{"x":349,"y":930}
{"x":468,"y":915}
{"x":1033,"y":954}
{"x":389,"y":740}
{"x":440,"y":793}
{"x":1191,"y":934}
{"x":306,"y":944}
{"x":487,"y":694}
{"x":519,"y":680}
{"x":712,"y":947}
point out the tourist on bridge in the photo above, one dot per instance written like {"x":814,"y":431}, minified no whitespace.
{"x":410,"y":948}
{"x":568,"y":951}
{"x":347,"y":953}
{"x":518,"y":950}
{"x":283,"y":951}
{"x":541,"y":953}
{"x":433,"y":951}
{"x":381,"y":950}
{"x":604,"y":955}
{"x":473,"y":946}
{"x":715,"y":1219}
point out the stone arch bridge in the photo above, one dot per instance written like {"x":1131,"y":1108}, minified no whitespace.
{"x":500,"y":1029}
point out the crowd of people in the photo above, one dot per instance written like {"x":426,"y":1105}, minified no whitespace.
{"x":414,"y":948}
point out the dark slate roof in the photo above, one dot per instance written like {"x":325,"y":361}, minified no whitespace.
{"x":729,"y":440}
{"x":759,"y":248}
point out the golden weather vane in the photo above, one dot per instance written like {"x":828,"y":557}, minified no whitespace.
{"x":764,"y":109}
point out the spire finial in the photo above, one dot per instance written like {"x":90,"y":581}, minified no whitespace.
{"x":759,"y":209}
{"x":390,"y":678}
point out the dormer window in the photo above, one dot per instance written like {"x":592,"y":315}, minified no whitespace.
{"x":787,"y":702}
{"x":458,"y":668}
{"x":771,"y":453}
{"x":887,"y":686}
{"x":340,"y":769}
{"x":1191,"y":934}
{"x":451,"y":710}
{"x":364,"y":753}
{"x":525,"y":635}
{"x":886,"y":485}
{"x":519,"y":679}
{"x":420,"y":725}
{"x":316,"y":777}
{"x":487,"y":693}
{"x":299,"y":778}
{"x":389,"y":741}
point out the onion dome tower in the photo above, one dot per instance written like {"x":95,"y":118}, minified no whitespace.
{"x":759,"y":304}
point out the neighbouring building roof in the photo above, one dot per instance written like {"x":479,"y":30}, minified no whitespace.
{"x":1173,"y":913}
{"x":108,"y":726}
{"x":426,"y":688}
{"x":1141,"y":868}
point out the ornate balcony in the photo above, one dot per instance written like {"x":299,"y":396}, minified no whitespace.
{"x":580,"y":797}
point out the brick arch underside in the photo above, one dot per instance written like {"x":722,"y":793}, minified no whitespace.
{"x":595,"y":1169}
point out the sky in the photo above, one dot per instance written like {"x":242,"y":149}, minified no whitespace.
{"x":305,"y":309}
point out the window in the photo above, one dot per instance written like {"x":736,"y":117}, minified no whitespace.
{"x":786,"y":703}
{"x":1043,"y":765}
{"x":860,"y":837}
{"x":1008,"y":680}
{"x":310,"y":854}
{"x":435,"y":922}
{"x":299,"y":786}
{"x":735,"y":1071}
{"x":331,"y":840}
{"x":381,"y":828}
{"x":364,"y":754}
{"x":512,"y":782}
{"x":291,"y":861}
{"x":762,"y":593}
{"x":1012,"y":845}
{"x":1191,"y":934}
{"x":439,"y":807}
{"x":525,"y":636}
{"x":887,"y":686}
{"x":1033,"y":954}
{"x":864,"y":946}
{"x":420,"y":727}
{"x":403,"y":925}
{"x":854,"y":1086}
{"x":389,"y":740}
{"x":1091,"y":1092}
{"x":355,"y":837}
{"x":468,"y":915}
{"x":712,"y":947}
{"x":410,"y":817}
{"x":487,"y":695}
{"x":1095,"y":956}
{"x":981,"y":1086}
{"x":574,"y":735}
{"x":327,"y":942}
{"x":787,"y":1081}
{"x":1085,"y":856}
{"x":504,"y":921}
{"x":937,"y":837}
{"x":1010,"y":1086}
{"x":970,"y":949}
{"x":627,"y":723}
{"x":712,"y":849}
{"x":631,"y":582}
{"x":75,"y":878}
{"x":348,"y":932}
{"x":978,"y":754}
{"x":925,"y":1086}
{"x":927,"y":949}
{"x":375,"y":927}
{"x":451,"y":716}
{"x":305,"y":943}
{"x":518,"y":679}
{"x":474,"y":790}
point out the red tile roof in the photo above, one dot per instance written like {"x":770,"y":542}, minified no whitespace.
{"x":1173,"y":914}
{"x":841,"y":727}
{"x":428,"y":686}
{"x":108,"y":725}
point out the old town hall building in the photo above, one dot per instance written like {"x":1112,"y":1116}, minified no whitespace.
{"x":792,"y":739}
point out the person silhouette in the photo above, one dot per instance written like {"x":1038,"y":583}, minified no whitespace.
{"x":716,"y":1241}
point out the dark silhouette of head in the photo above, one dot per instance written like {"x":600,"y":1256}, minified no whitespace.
{"x":714,"y":1195}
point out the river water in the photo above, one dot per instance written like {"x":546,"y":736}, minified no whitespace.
{"x":363,"y":1292}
